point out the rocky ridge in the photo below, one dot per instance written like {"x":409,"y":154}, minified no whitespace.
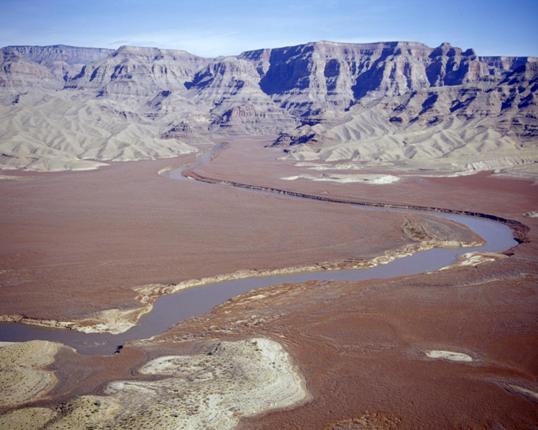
{"x":401,"y":104}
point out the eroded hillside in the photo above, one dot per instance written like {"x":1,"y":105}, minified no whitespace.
{"x":398,"y":104}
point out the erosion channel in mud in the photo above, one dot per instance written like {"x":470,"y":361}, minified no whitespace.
{"x":171,"y":309}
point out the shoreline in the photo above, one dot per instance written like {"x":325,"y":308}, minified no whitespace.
{"x":117,"y":321}
{"x":519,"y":229}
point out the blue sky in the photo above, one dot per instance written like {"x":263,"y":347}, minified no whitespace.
{"x":210,"y":28}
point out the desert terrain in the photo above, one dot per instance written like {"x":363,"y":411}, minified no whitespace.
{"x":130,"y":175}
{"x":370,"y":354}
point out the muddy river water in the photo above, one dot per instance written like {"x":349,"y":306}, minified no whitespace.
{"x":171,"y":309}
{"x":174,"y":308}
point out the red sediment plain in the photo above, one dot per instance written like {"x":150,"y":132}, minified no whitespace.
{"x":76,"y":243}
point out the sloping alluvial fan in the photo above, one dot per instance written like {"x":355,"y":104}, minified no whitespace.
{"x":401,"y":104}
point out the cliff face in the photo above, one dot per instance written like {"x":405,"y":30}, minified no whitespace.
{"x":134,"y":71}
{"x":49,"y":55}
{"x":311,"y":79}
{"x":59,"y":60}
{"x":336,"y":94}
{"x":305,"y":80}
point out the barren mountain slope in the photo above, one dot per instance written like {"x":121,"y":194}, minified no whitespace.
{"x":400,"y":104}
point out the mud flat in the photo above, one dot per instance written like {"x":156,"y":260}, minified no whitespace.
{"x":487,"y":306}
{"x":358,"y":344}
{"x":54,"y":275}
{"x":151,"y":230}
{"x":167,"y":308}
{"x":351,"y":334}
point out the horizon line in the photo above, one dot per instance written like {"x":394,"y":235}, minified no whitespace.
{"x":261,"y":49}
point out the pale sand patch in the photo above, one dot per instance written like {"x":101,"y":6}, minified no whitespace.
{"x":347,"y":178}
{"x":164,"y":170}
{"x":401,"y":171}
{"x":443,"y":174}
{"x":475,"y":259}
{"x":525,"y":391}
{"x":12,"y":178}
{"x":26,"y":418}
{"x":257,"y":297}
{"x":531,"y":214}
{"x":323,"y":167}
{"x":112,"y":321}
{"x":448,"y":355}
{"x":205,"y":391}
{"x":22,"y":370}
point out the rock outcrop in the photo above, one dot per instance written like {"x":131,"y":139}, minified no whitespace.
{"x":398,"y":103}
